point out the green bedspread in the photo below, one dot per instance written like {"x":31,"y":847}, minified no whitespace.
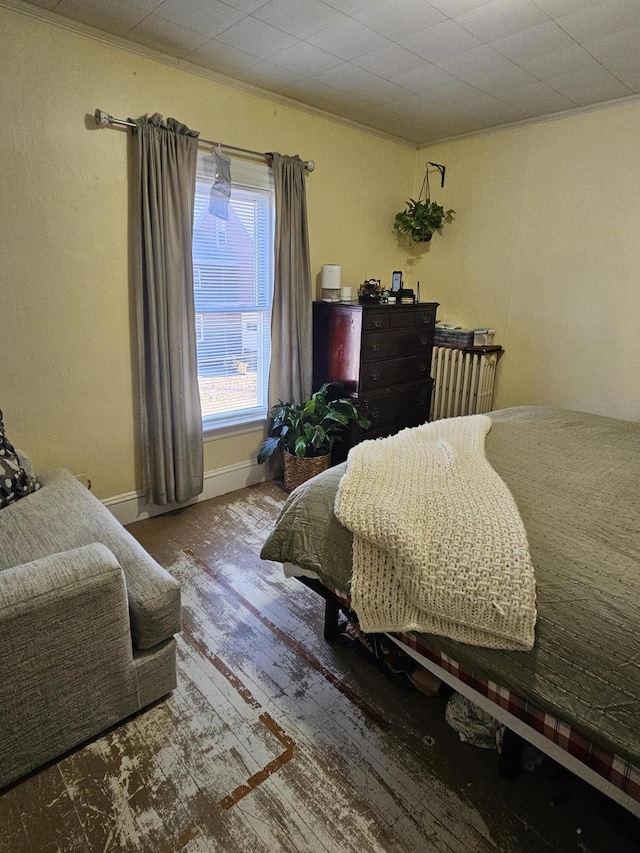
{"x":575,"y":479}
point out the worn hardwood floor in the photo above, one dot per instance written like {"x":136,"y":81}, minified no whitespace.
{"x":278,"y":741}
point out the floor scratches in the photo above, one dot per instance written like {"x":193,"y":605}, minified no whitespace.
{"x":276,"y":741}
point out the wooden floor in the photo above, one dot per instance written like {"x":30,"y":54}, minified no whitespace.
{"x":278,"y":741}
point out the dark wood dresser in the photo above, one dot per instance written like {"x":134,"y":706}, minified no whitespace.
{"x":382,"y":355}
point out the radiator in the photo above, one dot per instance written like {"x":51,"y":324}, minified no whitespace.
{"x":462,"y":382}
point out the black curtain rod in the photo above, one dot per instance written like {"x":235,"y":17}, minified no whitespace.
{"x":105,"y":120}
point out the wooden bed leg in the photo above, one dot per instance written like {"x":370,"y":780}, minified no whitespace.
{"x":511,"y":755}
{"x":331,"y":611}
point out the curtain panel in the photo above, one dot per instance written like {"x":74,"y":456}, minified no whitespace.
{"x":171,"y":419}
{"x":291,"y":330}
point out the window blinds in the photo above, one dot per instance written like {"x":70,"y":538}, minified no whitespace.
{"x":233,"y":285}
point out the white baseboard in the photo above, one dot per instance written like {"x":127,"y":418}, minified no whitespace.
{"x":130,"y":507}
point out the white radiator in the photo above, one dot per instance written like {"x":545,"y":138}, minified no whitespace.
{"x":462,"y":382}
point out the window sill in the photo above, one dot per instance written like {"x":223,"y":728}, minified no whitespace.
{"x":212,"y":432}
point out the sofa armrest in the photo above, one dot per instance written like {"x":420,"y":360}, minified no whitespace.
{"x":66,"y":660}
{"x":32,"y":586}
{"x":62,"y":515}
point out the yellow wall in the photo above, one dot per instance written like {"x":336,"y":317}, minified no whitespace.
{"x":546,"y":251}
{"x":545,"y":248}
{"x":68,"y":364}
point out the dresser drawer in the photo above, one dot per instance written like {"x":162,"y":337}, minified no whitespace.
{"x":396,"y":343}
{"x":381,"y":374}
{"x":372,"y":320}
{"x":425,"y":316}
{"x":407,"y":405}
{"x":414,"y":315}
{"x":401,"y":316}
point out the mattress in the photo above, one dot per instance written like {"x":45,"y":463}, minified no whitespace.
{"x":574,"y":477}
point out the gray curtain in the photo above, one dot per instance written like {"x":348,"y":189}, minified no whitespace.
{"x":291,"y":335}
{"x":171,"y":420}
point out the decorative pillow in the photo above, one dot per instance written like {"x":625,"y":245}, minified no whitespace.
{"x":14,"y":481}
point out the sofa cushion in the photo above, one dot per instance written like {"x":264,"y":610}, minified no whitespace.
{"x":15,"y":482}
{"x":62,"y":515}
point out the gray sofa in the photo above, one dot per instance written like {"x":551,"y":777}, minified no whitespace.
{"x":87,"y":624}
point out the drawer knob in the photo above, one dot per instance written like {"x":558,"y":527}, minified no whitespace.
{"x":375,"y":376}
{"x":375,"y":346}
{"x":423,"y":366}
{"x":426,"y":317}
{"x":377,"y":323}
{"x":422,"y":399}
{"x":374,"y":413}
{"x":424,"y":340}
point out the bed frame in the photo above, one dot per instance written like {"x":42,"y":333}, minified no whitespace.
{"x":609,"y":774}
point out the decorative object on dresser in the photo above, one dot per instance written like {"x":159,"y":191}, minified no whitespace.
{"x":305,"y":432}
{"x":381,"y":355}
{"x":331,"y":276}
{"x":370,"y":291}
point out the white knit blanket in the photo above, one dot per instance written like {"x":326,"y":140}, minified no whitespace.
{"x":438,"y":543}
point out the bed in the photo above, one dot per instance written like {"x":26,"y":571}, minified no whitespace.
{"x":576,"y":695}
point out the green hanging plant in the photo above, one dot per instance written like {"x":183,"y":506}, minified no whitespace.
{"x":422,"y":217}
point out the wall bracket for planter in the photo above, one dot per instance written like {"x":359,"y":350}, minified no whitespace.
{"x":442,"y":169}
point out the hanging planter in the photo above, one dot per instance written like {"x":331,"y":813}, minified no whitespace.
{"x":422,"y":217}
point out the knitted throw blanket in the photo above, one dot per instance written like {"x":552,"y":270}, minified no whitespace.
{"x":438,"y":543}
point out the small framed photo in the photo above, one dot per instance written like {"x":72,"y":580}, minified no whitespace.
{"x":396,"y":281}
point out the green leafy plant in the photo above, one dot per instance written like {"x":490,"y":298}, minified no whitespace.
{"x":420,"y":219}
{"x":310,"y":428}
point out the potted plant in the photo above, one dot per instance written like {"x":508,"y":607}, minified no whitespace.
{"x":306,"y":432}
{"x":421,"y":216}
{"x":420,"y":219}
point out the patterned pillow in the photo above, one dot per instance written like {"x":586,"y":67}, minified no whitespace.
{"x":14,"y":481}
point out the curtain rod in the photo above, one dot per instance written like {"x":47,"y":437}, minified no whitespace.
{"x":105,"y":120}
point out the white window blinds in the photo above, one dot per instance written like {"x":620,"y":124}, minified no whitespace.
{"x":233,"y":286}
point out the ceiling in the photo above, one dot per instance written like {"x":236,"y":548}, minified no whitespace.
{"x":421,"y":71}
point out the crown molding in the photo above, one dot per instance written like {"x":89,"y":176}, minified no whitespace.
{"x":527,"y":122}
{"x":87,"y":31}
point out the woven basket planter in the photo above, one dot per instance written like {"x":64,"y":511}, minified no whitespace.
{"x":297,"y":471}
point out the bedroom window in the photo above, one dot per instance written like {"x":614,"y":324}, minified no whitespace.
{"x":233,"y":287}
